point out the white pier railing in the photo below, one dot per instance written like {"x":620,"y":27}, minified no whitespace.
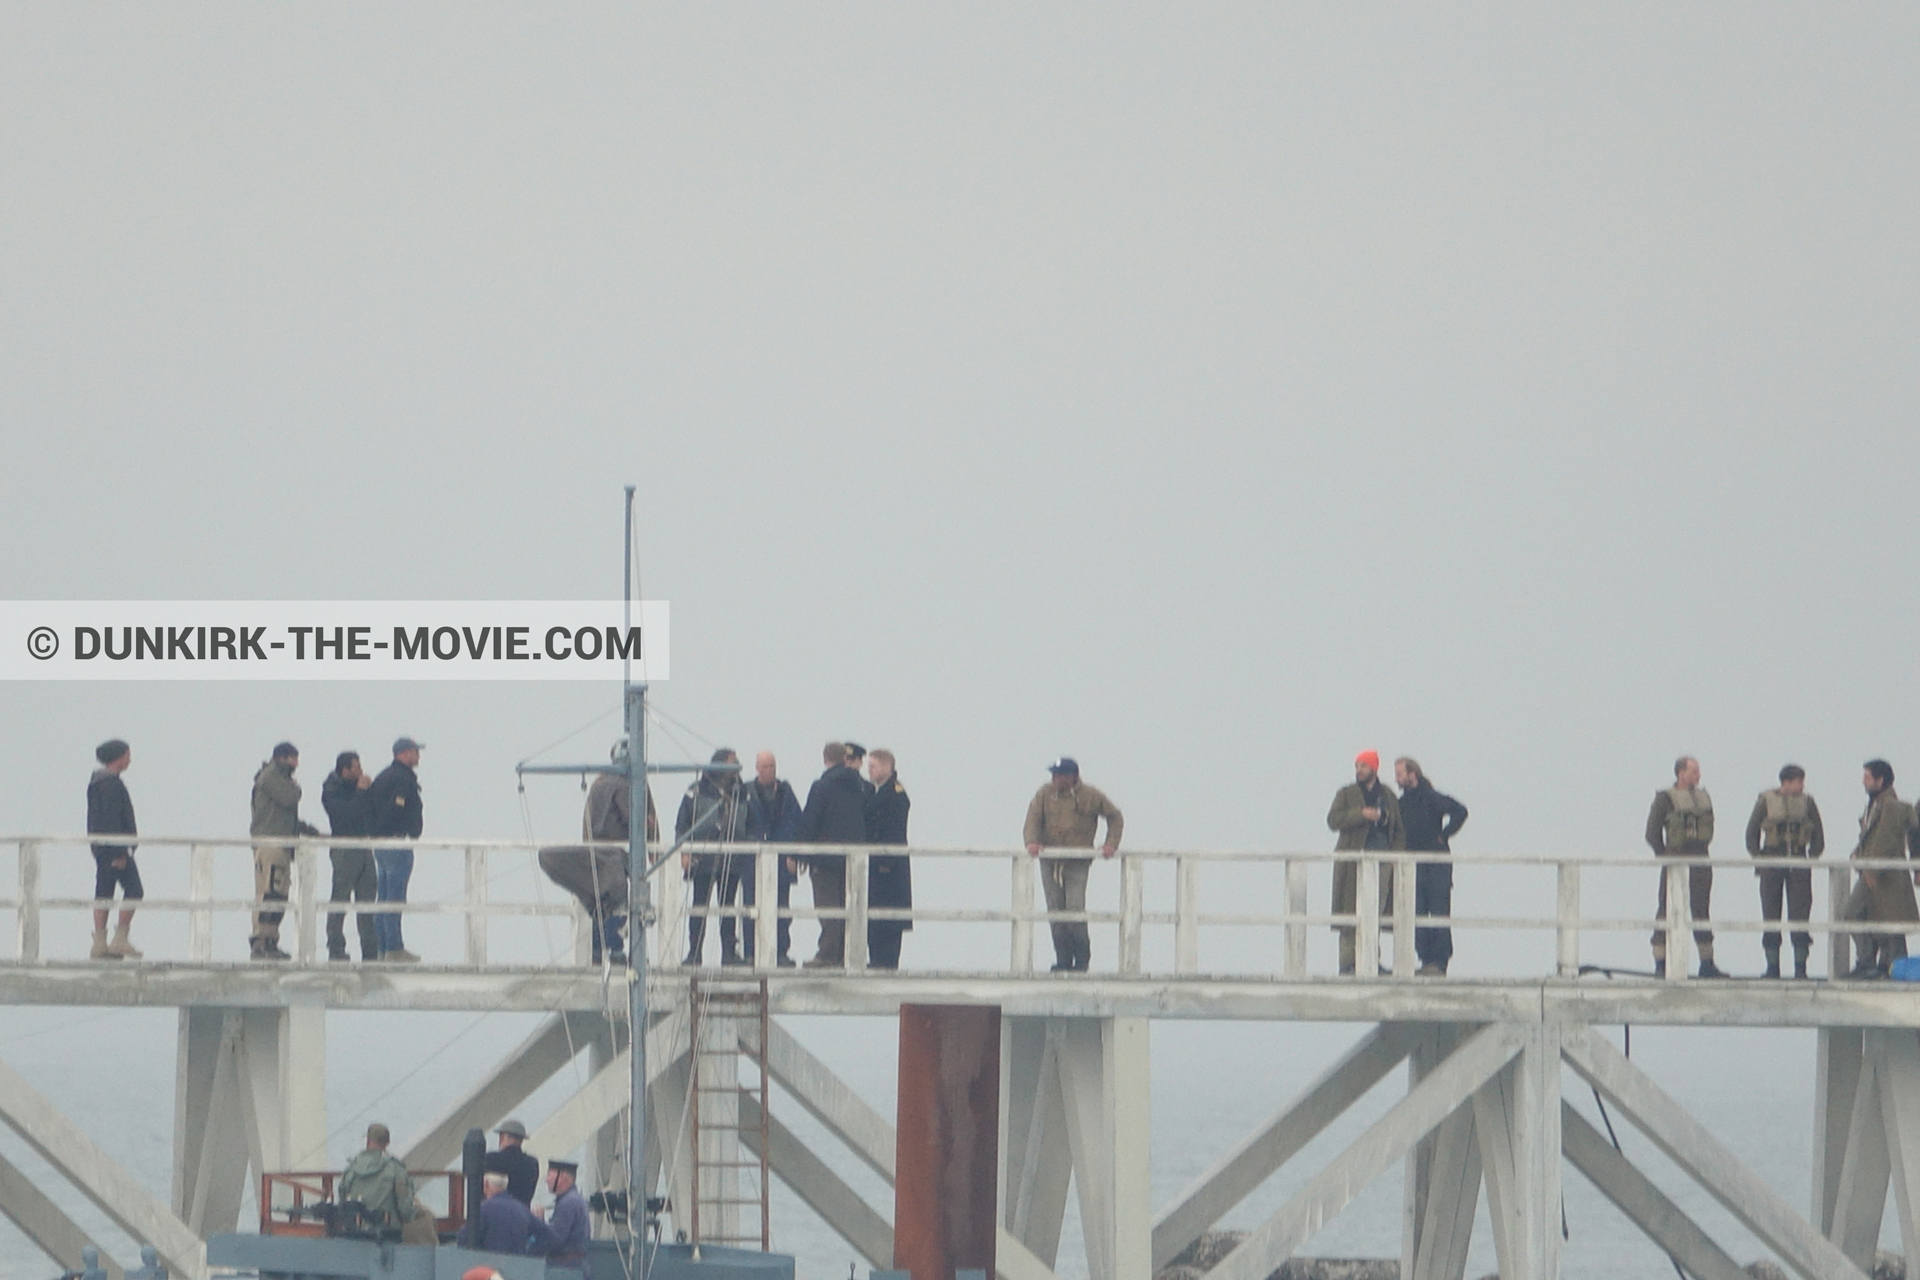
{"x":494,"y":893}
{"x":497,"y":895}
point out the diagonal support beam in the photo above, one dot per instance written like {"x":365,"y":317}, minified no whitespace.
{"x":45,"y":1223}
{"x":1896,"y":1057}
{"x":1645,"y":1205}
{"x":604,"y":1096}
{"x":551,"y":1047}
{"x":1236,"y":1175}
{"x":822,"y":1190}
{"x":1691,"y":1147}
{"x":824,"y":1096}
{"x":119,"y":1195}
{"x":1391,"y":1137}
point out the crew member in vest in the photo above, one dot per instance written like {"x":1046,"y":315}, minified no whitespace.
{"x":1786,"y":824}
{"x":1887,"y":894}
{"x":1680,"y":825}
{"x":568,"y":1219}
{"x":1365,"y":815}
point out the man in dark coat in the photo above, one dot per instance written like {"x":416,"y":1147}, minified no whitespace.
{"x":889,"y":876}
{"x":1430,"y":820}
{"x":397,"y":816}
{"x":716,"y":803}
{"x":110,"y":813}
{"x":773,"y":816}
{"x":835,"y":813}
{"x":1883,"y":896}
{"x":513,"y":1159}
{"x":347,"y":796}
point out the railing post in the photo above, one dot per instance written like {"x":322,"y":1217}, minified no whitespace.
{"x":476,"y":906}
{"x":1296,"y":929}
{"x":200,"y":890}
{"x":1567,"y":919}
{"x":1021,"y":961}
{"x":1186,"y":915}
{"x":304,"y":870}
{"x":856,"y":949}
{"x":1677,"y":938}
{"x":766,"y":909}
{"x":1366,"y":903}
{"x":1131,"y":908}
{"x":27,"y":918}
{"x":1403,"y":877}
{"x":1839,"y":953}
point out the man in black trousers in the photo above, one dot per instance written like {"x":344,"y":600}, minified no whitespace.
{"x":1430,"y":820}
{"x":836,"y":813}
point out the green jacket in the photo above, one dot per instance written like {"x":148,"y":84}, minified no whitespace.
{"x":276,"y":803}
{"x":1344,"y":817}
{"x":1883,"y":834}
{"x":381,"y":1183}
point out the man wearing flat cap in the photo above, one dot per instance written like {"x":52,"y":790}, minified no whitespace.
{"x":568,"y":1218}
{"x":1065,"y":814}
{"x":520,"y":1165}
{"x":396,"y":816}
{"x":1365,"y":815}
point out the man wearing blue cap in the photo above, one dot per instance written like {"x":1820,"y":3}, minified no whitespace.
{"x":396,"y":816}
{"x":1065,"y":814}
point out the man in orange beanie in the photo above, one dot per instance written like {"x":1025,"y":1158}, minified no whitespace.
{"x":1364,"y":815}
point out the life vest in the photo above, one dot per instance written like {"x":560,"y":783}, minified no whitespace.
{"x":1788,"y":825}
{"x":1690,"y":822}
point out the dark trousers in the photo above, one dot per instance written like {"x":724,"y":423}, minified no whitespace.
{"x":355,"y":879}
{"x":1433,"y":896}
{"x":727,"y":873}
{"x":1795,"y":884}
{"x":1699,"y":907}
{"x":830,"y":891}
{"x":783,"y":932}
{"x":883,"y":943}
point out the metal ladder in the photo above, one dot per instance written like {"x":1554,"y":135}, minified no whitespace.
{"x":722,"y":1143}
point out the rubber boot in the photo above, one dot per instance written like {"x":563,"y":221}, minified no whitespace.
{"x":1708,"y":969}
{"x":1800,"y":961}
{"x":1773,"y":962}
{"x":122,"y":948}
{"x":101,"y":951}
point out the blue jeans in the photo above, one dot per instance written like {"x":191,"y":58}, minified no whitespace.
{"x":396,"y":868}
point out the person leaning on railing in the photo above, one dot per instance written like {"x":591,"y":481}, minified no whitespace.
{"x":1065,"y":814}
{"x":597,"y":877}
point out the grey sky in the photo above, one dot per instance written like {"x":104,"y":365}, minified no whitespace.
{"x":1205,"y":392}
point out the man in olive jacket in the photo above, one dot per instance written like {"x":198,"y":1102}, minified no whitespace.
{"x":1065,"y":814}
{"x":276,"y":812}
{"x":1884,"y":895}
{"x":1366,"y":816}
{"x":1680,"y":825}
{"x":1785,"y":823}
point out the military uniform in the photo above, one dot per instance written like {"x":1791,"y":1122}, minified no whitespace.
{"x":1888,"y":894}
{"x":1680,"y":825}
{"x":1356,"y":832}
{"x":276,"y":812}
{"x":889,"y":876}
{"x":1786,"y":826}
{"x":381,"y":1183}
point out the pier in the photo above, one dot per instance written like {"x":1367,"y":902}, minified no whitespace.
{"x":1486,"y":1059}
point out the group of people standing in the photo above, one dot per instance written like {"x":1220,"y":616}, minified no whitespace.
{"x":386,"y":807}
{"x":722,"y":807}
{"x":1785,"y":823}
{"x":1367,"y":815}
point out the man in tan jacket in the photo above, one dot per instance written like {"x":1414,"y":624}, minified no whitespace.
{"x":1887,"y":894}
{"x":1065,"y":814}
